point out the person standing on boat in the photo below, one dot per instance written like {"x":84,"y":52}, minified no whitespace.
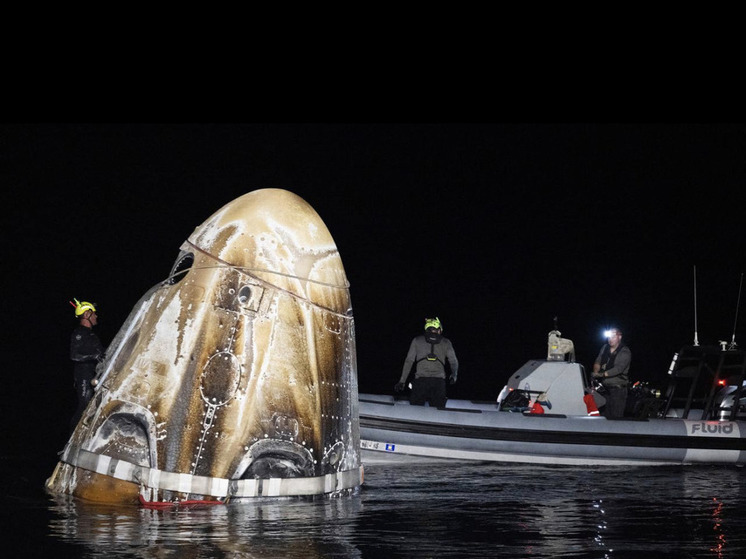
{"x":429,"y":352}
{"x":86,"y":352}
{"x":611,"y":368}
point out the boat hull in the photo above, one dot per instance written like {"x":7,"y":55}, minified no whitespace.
{"x":395,"y":431}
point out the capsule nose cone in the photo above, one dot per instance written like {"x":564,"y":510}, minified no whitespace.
{"x":276,"y":236}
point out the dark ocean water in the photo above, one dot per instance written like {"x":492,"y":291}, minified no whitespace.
{"x":405,"y":511}
{"x":434,"y":510}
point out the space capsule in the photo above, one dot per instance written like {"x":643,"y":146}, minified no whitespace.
{"x":235,"y":378}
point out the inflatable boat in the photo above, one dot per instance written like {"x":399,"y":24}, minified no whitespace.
{"x":548,"y":414}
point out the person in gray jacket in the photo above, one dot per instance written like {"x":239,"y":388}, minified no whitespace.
{"x":429,"y":352}
{"x":611,"y":369}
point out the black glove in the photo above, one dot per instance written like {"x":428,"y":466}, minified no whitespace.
{"x":452,"y":379}
{"x":399,"y":386}
{"x":598,"y":374}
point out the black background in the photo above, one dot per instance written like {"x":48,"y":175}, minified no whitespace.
{"x":494,"y":228}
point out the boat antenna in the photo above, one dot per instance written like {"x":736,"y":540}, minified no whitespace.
{"x":696,"y":341}
{"x":735,"y":322}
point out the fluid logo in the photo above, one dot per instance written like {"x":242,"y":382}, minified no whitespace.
{"x":711,"y":428}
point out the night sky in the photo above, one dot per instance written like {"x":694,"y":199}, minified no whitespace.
{"x":494,"y":228}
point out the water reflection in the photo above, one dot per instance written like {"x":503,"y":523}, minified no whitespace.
{"x":683,"y":512}
{"x":720,"y":490}
{"x":451,"y":510}
{"x":292,"y":528}
{"x":601,"y":528}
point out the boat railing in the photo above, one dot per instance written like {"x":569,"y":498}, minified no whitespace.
{"x":730,"y":371}
{"x":698,"y":373}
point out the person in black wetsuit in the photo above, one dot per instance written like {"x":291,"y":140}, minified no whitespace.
{"x":86,"y":352}
{"x":429,"y":352}
{"x":611,"y":368}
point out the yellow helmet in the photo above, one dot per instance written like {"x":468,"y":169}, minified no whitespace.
{"x":432,"y":323}
{"x":81,"y":308}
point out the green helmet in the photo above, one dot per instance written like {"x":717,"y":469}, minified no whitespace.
{"x":433,"y":323}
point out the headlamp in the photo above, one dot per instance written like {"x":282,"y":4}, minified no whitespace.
{"x":609,"y":332}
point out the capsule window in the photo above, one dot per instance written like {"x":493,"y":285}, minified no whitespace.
{"x":250,"y":297}
{"x":244,"y":295}
{"x":180,"y":268}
